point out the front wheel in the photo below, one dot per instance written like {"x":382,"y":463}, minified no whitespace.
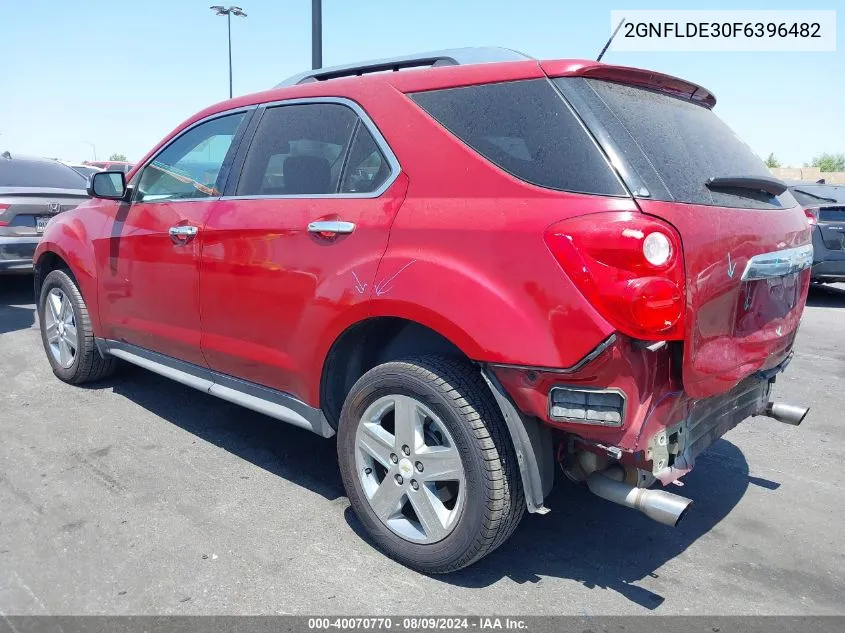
{"x":428,"y":463}
{"x":66,"y":332}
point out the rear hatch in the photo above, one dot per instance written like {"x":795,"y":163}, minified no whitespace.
{"x":745,"y":238}
{"x":826,"y":203}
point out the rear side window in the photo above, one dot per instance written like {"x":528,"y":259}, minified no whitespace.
{"x":527,"y":129}
{"x":672,"y":145}
{"x":298,"y":150}
{"x":39,"y":173}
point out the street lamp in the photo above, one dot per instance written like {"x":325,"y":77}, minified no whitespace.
{"x":93,"y":147}
{"x":218,"y":10}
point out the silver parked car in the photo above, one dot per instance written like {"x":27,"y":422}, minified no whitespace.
{"x":32,"y":190}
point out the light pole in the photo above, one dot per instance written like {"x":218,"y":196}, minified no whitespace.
{"x":219,"y":10}
{"x":316,"y":34}
{"x":93,"y":147}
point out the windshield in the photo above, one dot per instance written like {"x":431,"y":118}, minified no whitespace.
{"x":670,"y":146}
{"x":17,"y":172}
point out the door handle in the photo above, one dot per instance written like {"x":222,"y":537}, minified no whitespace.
{"x":182,"y":234}
{"x":329,"y":227}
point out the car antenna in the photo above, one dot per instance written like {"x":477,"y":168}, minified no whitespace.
{"x":606,"y":46}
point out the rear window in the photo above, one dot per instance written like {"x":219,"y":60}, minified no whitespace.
{"x":818,"y":195}
{"x":527,"y":129}
{"x":672,"y":146}
{"x":39,"y":173}
{"x":832,"y":215}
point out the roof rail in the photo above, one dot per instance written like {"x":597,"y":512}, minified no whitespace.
{"x":450,"y":57}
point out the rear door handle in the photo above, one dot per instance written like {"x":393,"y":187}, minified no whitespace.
{"x":182,"y":234}
{"x":331,"y":227}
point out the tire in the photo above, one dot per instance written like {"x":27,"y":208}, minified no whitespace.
{"x":456,"y":394}
{"x":86,"y":364}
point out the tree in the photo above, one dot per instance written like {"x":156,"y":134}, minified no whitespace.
{"x":772,"y":161}
{"x":829,"y":162}
{"x":121,"y":157}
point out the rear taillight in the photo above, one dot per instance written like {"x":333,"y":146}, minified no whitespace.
{"x":812,"y":214}
{"x":629,"y":266}
{"x":3,"y":207}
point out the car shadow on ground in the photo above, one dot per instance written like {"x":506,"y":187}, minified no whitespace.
{"x":279,"y":448}
{"x":15,"y":302}
{"x":583,"y":538}
{"x":606,"y":546}
{"x":826,"y":296}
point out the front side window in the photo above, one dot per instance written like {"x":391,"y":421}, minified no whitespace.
{"x":190,"y":166}
{"x":298,"y":150}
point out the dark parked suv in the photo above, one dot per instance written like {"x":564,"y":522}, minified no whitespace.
{"x":825,"y":208}
{"x":467,"y":272}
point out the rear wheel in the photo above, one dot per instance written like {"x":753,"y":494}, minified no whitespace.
{"x":428,"y":464}
{"x":66,"y":332}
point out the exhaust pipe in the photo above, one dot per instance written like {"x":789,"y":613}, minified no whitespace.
{"x":664,"y":507}
{"x":786,"y":413}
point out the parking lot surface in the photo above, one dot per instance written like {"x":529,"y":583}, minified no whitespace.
{"x":141,"y":496}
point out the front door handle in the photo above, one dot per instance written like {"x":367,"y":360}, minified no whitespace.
{"x":182,"y":234}
{"x":331,"y":227}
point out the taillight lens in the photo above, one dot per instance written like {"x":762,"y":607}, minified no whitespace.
{"x":629,"y":266}
{"x":812,"y":214}
{"x":3,"y":207}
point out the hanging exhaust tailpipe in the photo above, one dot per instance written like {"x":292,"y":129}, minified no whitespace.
{"x":664,"y":507}
{"x":786,"y":413}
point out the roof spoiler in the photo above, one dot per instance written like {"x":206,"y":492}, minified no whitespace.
{"x":635,"y":77}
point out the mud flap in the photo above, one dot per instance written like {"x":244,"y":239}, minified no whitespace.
{"x":532,"y":442}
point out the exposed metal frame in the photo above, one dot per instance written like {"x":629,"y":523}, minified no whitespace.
{"x":446,"y":57}
{"x":276,"y":404}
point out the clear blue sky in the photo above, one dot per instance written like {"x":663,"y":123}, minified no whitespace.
{"x":121,"y":74}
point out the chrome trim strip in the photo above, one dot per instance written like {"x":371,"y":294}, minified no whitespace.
{"x":381,"y":142}
{"x":331,"y":226}
{"x":778,"y":263}
{"x":610,"y":340}
{"x":271,"y":402}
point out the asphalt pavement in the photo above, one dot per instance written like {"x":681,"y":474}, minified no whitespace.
{"x":141,"y":496}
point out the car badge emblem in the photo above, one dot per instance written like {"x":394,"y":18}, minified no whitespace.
{"x":779,"y":331}
{"x":731,"y":267}
{"x":54,"y":207}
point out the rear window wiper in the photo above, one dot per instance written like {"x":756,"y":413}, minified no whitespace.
{"x":770,"y":185}
{"x":812,"y":195}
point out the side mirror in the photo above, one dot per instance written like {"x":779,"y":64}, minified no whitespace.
{"x":110,"y":185}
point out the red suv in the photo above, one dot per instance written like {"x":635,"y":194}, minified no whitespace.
{"x":468,"y":272}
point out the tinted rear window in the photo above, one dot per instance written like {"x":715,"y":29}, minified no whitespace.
{"x":672,"y":146}
{"x":39,"y":173}
{"x":526,"y":129}
{"x":834,"y":214}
